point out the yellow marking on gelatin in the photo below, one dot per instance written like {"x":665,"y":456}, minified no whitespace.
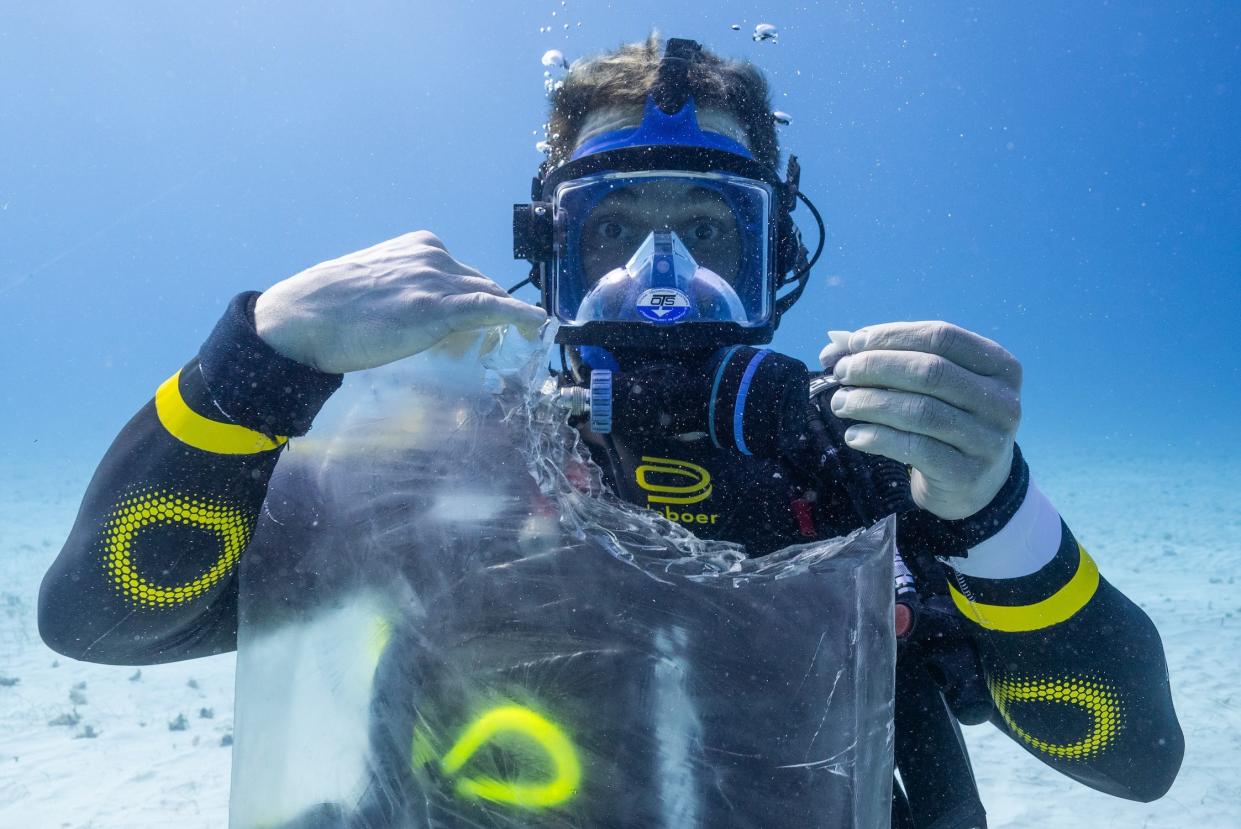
{"x":422,"y":749}
{"x":378,"y":636}
{"x":192,"y":429}
{"x":1056,"y":608}
{"x":516,"y":720}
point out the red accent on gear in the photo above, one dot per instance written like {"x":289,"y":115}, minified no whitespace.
{"x":904,"y":619}
{"x":804,"y":518}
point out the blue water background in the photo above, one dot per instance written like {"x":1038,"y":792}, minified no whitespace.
{"x":1063,"y":177}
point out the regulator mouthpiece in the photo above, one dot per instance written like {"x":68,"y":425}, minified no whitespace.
{"x":663,"y":284}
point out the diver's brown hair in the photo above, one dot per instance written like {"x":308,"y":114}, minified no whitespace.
{"x":623,"y":77}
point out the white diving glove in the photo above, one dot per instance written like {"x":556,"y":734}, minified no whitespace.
{"x":381,"y":304}
{"x":940,"y":399}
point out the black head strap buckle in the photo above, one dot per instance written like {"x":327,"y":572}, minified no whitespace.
{"x":671,"y":89}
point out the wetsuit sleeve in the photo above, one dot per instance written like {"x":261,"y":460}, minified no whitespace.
{"x":1076,"y":670}
{"x":148,"y":573}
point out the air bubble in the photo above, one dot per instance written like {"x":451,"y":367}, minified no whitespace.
{"x":554,"y":58}
{"x":765,"y":31}
{"x":782,"y":118}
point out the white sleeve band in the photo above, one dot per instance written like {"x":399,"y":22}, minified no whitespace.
{"x":1023,"y":546}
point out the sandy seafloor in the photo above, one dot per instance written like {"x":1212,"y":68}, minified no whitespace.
{"x":1165,"y":527}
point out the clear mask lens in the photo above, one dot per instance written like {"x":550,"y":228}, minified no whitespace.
{"x":662,"y":248}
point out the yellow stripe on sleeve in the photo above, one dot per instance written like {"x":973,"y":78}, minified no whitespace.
{"x":1057,"y":608}
{"x":192,"y":429}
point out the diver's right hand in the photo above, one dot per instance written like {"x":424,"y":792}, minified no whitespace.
{"x":378,"y":305}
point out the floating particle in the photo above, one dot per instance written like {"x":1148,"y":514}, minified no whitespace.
{"x":782,"y":118}
{"x":555,"y":59}
{"x":765,"y":31}
{"x":179,"y":724}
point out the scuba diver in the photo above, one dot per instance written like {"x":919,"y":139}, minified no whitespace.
{"x":661,"y":238}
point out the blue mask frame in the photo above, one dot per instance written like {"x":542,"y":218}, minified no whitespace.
{"x":659,"y":129}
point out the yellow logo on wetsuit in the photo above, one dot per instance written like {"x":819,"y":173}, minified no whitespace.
{"x":698,"y":489}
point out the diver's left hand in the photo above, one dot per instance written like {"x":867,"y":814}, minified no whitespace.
{"x":943,"y":400}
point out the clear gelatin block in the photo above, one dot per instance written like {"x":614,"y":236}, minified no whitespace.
{"x":447,"y":621}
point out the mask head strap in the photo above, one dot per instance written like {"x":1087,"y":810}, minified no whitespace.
{"x":669,"y":117}
{"x":671,"y":89}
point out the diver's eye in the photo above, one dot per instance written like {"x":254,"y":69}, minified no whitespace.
{"x":706,"y":230}
{"x":612,"y":230}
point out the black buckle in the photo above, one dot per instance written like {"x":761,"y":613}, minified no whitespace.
{"x":671,"y":88}
{"x":532,"y":231}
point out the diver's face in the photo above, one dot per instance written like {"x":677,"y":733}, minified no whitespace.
{"x":624,"y":218}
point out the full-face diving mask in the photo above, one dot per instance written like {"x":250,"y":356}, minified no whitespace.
{"x":660,"y":249}
{"x":664,"y":236}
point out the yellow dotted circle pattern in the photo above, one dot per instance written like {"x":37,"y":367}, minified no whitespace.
{"x":1096,"y":697}
{"x":141,"y":509}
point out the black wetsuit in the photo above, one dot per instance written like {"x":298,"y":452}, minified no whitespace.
{"x":1059,"y":659}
